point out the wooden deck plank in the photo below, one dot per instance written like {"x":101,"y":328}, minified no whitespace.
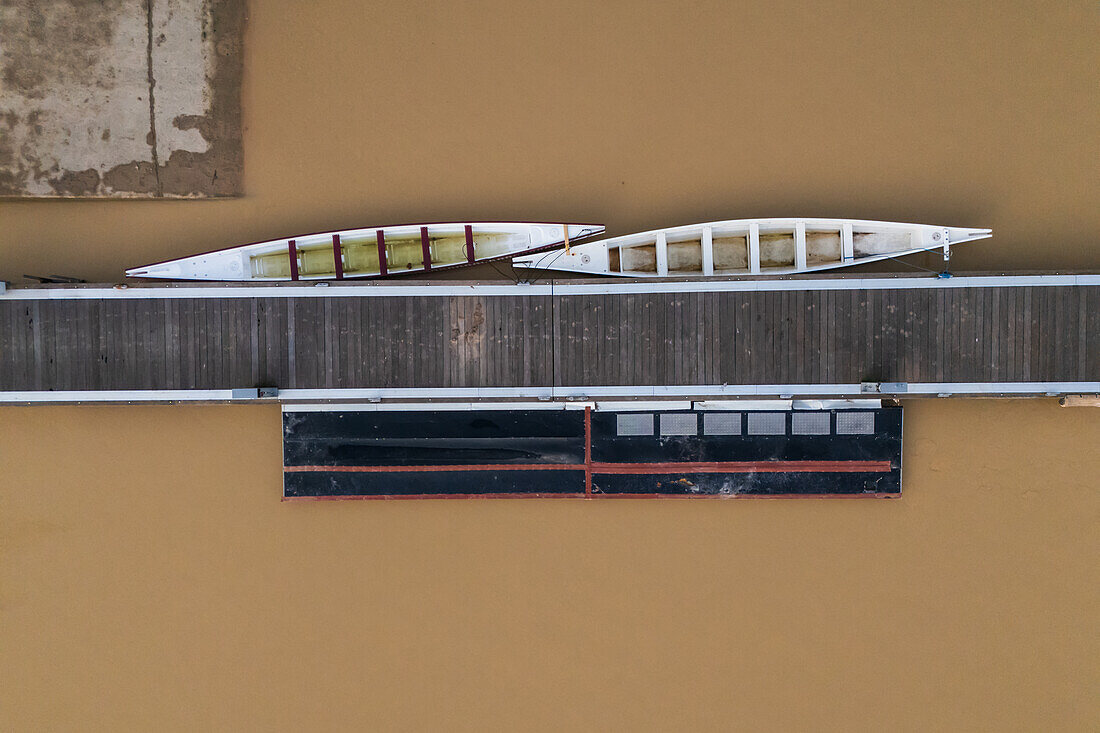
{"x":752,"y":364}
{"x":628,"y":326}
{"x":1056,"y":361}
{"x":826,"y":334}
{"x":668,"y":318}
{"x":77,"y":349}
{"x":952,"y":338}
{"x":329,"y":334}
{"x":880,"y":337}
{"x":211,"y":373}
{"x":456,"y":355}
{"x":367,"y":356}
{"x":271,"y":372}
{"x":281,"y":337}
{"x":1001,"y":325}
{"x":82,"y":349}
{"x":111,"y":344}
{"x":579,"y":317}
{"x":700,"y":370}
{"x":242,"y":343}
{"x":777,"y":353}
{"x":556,"y":330}
{"x":138,"y":316}
{"x":56,"y":333}
{"x":651,"y":357}
{"x":155,"y":355}
{"x":817,"y":342}
{"x":8,"y":341}
{"x":545,"y":341}
{"x":22,"y":351}
{"x":968,"y":345}
{"x":1082,"y":335}
{"x":442,"y":339}
{"x":1050,"y":332}
{"x":291,"y":344}
{"x":476,"y":343}
{"x":907,"y":354}
{"x":1045,"y":336}
{"x":926,"y":304}
{"x":1011,"y":318}
{"x":67,"y":338}
{"x":38,"y":348}
{"x":572,"y":326}
{"x":144,"y":356}
{"x":219,"y":345}
{"x":606,"y":338}
{"x":724,"y":334}
{"x":238,"y":335}
{"x":1091,"y":365}
{"x":997,"y":308}
{"x":713,"y":337}
{"x":1065,"y":331}
{"x":201,"y":344}
{"x":862,"y":353}
{"x":195,"y":334}
{"x":1030,"y":330}
{"x":350,"y":350}
{"x":608,"y":365}
{"x":354,"y":353}
{"x":157,"y":343}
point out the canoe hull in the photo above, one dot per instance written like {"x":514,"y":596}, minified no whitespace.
{"x":750,"y":247}
{"x":370,"y":253}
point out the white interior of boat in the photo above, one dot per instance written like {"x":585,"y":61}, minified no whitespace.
{"x":359,"y":250}
{"x":750,"y":246}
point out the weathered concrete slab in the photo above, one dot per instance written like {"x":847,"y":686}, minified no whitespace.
{"x":120,"y":98}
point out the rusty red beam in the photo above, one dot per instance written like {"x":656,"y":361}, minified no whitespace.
{"x":590,"y":467}
{"x":455,"y":467}
{"x":469,"y":244}
{"x":540,"y":495}
{"x":337,"y":257}
{"x":743,"y":467}
{"x":382,"y":268}
{"x":426,"y":248}
{"x":292,"y":250}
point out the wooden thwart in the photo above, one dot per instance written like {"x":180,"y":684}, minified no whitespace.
{"x":337,"y":257}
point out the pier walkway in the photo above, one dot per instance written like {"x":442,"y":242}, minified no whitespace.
{"x":572,"y":339}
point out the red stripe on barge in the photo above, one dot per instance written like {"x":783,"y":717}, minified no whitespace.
{"x":337,"y":257}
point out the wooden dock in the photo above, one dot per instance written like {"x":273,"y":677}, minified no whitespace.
{"x":567,"y":339}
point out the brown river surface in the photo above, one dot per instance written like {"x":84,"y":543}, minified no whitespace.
{"x":150,"y":578}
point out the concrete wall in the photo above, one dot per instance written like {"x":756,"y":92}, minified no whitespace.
{"x":131,"y":98}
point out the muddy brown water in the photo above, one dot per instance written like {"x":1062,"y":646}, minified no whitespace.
{"x":150,"y":578}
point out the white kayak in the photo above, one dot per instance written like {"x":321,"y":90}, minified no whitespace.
{"x":372,"y":252}
{"x":750,"y":247}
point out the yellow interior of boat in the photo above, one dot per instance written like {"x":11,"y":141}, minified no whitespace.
{"x":777,"y":250}
{"x":360,"y":254}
